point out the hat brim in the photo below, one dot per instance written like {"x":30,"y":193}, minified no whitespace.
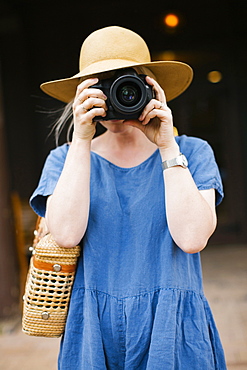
{"x":174,"y":77}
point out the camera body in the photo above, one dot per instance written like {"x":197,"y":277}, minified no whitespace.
{"x":127,"y":94}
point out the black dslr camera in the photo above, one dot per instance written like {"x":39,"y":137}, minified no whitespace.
{"x":127,"y":94}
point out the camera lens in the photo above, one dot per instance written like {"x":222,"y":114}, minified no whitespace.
{"x":128,"y":95}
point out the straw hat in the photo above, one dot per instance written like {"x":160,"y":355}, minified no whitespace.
{"x":113,"y":48}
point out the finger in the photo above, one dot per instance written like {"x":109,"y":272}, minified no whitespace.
{"x":85,"y":85}
{"x":161,"y":114}
{"x":153,"y":104}
{"x":94,"y":102}
{"x":159,"y":92}
{"x":80,"y":95}
{"x":92,"y":113}
{"x":90,"y":93}
{"x":84,"y":114}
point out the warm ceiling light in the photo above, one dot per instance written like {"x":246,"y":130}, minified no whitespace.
{"x":171,"y":20}
{"x":214,"y":76}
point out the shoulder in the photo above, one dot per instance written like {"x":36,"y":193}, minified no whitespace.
{"x":55,"y":159}
{"x":59,"y":152}
{"x":199,"y":154}
{"x":191,"y":142}
{"x":202,"y":164}
{"x":191,"y":146}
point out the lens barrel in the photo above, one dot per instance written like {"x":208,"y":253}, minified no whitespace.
{"x":128,"y":94}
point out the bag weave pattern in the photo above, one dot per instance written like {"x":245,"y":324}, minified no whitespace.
{"x":47,"y":291}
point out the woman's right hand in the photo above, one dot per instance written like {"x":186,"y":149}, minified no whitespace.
{"x":88,"y":103}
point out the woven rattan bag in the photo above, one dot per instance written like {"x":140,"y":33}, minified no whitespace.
{"x":48,"y":286}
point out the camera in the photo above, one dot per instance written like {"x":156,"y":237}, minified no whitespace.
{"x":127,"y":94}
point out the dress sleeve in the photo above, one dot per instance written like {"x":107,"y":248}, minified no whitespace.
{"x":49,"y":177}
{"x":202,"y":165}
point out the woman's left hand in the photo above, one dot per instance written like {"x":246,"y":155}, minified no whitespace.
{"x":156,"y":120}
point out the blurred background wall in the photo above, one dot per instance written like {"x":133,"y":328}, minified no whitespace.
{"x":41,"y":40}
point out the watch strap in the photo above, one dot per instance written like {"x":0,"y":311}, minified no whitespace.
{"x":180,"y":160}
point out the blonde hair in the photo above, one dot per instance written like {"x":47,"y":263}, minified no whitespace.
{"x":145,"y":71}
{"x":66,"y":118}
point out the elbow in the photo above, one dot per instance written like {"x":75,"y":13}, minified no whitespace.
{"x":66,"y":242}
{"x":67,"y":236}
{"x":193,"y":247}
{"x":195,"y":241}
{"x":193,"y":244}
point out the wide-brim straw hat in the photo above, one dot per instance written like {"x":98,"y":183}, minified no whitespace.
{"x":113,"y":48}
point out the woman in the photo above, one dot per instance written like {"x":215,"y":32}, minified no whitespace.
{"x":142,"y":212}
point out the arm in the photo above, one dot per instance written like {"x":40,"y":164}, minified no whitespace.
{"x":68,"y":208}
{"x":66,"y":220}
{"x":190,"y":213}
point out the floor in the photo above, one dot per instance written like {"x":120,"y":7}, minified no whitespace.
{"x":225,"y":282}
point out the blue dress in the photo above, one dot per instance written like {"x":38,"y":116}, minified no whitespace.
{"x":137,"y":300}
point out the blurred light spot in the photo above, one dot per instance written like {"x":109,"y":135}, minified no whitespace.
{"x":168,"y":55}
{"x":214,"y":77}
{"x":171,"y":20}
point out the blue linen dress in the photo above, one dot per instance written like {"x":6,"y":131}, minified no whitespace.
{"x":137,"y":300}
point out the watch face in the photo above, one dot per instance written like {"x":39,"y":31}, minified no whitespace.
{"x":184,"y":161}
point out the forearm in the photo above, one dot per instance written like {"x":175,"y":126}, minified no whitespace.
{"x":190,"y":215}
{"x":68,"y":207}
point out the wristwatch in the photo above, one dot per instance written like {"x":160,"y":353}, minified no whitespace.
{"x":180,"y":160}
